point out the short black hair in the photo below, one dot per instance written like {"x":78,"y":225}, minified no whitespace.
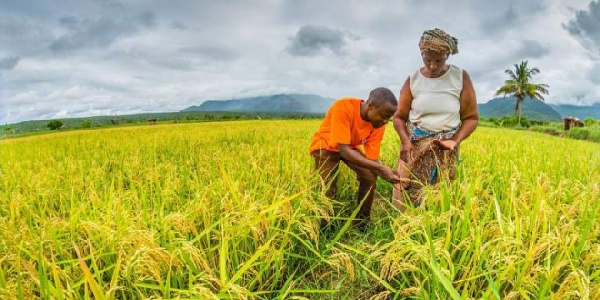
{"x":383,"y":95}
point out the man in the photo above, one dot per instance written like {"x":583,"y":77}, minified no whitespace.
{"x":352,"y":132}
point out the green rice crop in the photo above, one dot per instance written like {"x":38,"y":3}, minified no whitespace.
{"x":231,"y":210}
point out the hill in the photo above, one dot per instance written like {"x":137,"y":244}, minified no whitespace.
{"x":306,"y":103}
{"x":580,"y":112}
{"x":143,"y":118}
{"x":296,"y":106}
{"x":497,"y":107}
{"x":532,"y":109}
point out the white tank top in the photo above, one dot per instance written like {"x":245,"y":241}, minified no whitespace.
{"x":436,"y":101}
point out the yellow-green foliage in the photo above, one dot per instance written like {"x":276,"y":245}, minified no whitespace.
{"x":229,"y":210}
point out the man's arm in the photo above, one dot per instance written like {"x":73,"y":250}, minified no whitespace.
{"x":355,"y":157}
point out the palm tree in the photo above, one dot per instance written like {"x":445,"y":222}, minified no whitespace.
{"x":519,"y":86}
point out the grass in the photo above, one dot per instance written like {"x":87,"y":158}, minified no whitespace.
{"x":229,"y":210}
{"x":590,"y":132}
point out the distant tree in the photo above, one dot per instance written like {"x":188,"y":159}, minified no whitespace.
{"x":7,"y":130}
{"x":115,"y":120}
{"x":54,"y":124}
{"x":86,"y":124}
{"x":519,"y":86}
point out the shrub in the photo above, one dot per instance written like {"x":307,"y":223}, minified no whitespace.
{"x":511,"y":121}
{"x":589,"y":121}
{"x":546,"y":129}
{"x":584,"y":134}
{"x":54,"y":124}
{"x":86,"y":124}
{"x":539,"y":122}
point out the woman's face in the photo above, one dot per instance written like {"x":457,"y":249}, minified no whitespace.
{"x":435,"y":62}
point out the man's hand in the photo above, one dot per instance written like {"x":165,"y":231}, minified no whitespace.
{"x":392,"y":176}
{"x":388,"y":174}
{"x":447,"y":144}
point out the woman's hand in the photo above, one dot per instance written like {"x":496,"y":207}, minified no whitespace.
{"x":406,"y":152}
{"x":447,"y":144}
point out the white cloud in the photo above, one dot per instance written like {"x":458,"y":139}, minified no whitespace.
{"x":105,"y":56}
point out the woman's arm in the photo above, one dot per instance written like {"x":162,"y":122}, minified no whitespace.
{"x":469,"y":114}
{"x":401,"y":117}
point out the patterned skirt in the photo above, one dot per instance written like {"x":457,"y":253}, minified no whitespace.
{"x":427,"y":165}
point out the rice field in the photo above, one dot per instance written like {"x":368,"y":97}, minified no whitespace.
{"x":230,"y":210}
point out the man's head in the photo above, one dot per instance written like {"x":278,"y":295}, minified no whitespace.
{"x":381,"y":107}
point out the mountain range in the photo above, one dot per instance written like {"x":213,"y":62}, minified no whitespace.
{"x":532,"y":109}
{"x":309,"y":103}
{"x":581,"y":112}
{"x":305,"y":103}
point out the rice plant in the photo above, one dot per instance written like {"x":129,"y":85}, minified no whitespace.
{"x":231,"y":210}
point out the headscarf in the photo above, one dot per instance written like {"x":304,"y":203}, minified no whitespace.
{"x":439,"y":41}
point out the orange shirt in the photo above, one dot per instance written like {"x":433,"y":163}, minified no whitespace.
{"x":343,"y":125}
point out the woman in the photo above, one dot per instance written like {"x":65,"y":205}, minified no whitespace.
{"x":437,"y":110}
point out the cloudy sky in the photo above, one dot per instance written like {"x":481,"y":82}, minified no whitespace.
{"x":73,"y":58}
